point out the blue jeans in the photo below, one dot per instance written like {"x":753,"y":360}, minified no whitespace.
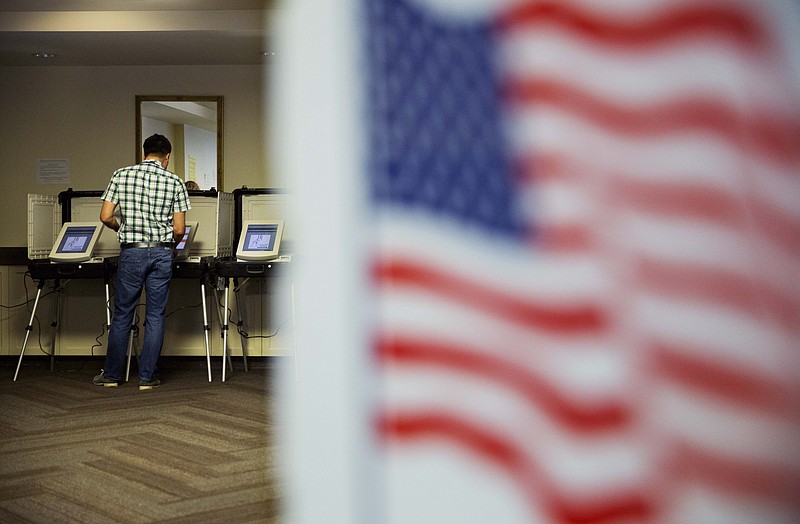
{"x":151,"y":269}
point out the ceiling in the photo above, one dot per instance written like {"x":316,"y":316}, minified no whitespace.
{"x":134,"y":32}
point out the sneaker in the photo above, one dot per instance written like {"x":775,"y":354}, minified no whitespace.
{"x":103,"y":380}
{"x":149,"y":384}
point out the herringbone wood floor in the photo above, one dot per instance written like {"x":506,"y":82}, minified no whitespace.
{"x":188,"y":451}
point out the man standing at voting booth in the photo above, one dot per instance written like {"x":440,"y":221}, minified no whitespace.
{"x":153,"y":204}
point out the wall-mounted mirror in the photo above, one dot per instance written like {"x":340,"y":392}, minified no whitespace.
{"x":194,"y":126}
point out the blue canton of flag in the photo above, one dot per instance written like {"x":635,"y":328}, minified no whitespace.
{"x":437,"y":134}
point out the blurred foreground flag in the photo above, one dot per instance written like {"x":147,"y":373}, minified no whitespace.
{"x":551,"y":260}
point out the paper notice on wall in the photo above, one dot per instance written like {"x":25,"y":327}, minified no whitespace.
{"x":192,"y":171}
{"x":53,"y":171}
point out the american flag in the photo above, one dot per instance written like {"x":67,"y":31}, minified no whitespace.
{"x":586,"y":259}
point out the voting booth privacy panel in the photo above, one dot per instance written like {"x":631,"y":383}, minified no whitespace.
{"x":212,"y":210}
{"x":219,"y":216}
{"x":264,"y":204}
{"x":46,"y":214}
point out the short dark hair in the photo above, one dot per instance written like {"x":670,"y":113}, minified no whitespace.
{"x":157,"y":145}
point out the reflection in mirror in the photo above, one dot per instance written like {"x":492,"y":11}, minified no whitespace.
{"x":193,"y":125}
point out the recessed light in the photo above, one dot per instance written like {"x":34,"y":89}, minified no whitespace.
{"x":44,"y":55}
{"x":268,"y":53}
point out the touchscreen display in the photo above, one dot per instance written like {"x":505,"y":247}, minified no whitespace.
{"x":76,"y":239}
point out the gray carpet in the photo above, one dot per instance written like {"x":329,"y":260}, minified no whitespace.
{"x":188,"y":451}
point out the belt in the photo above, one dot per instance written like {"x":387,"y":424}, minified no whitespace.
{"x":129,"y":245}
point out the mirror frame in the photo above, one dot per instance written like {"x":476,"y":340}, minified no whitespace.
{"x":175,"y":98}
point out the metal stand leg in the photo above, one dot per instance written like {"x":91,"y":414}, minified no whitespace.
{"x":130,"y":352}
{"x":206,"y":327}
{"x":225,"y":356}
{"x":54,"y":326}
{"x":108,"y":308}
{"x":29,"y":327}
{"x":239,"y":322}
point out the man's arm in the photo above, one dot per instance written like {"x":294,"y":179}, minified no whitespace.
{"x":178,"y":225}
{"x":107,"y":215}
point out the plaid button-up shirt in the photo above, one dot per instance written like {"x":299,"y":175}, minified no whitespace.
{"x":148,"y":195}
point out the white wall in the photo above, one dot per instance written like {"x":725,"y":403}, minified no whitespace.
{"x":87,"y":115}
{"x":201,"y":146}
